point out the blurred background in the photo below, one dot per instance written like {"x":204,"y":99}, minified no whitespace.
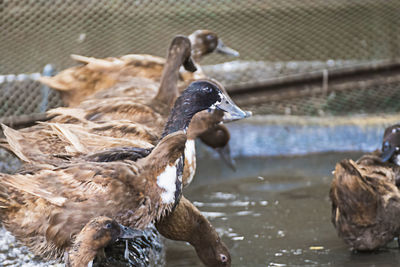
{"x":319,"y":76}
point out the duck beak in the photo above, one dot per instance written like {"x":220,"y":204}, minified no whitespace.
{"x":228,"y":118}
{"x":223,"y":49}
{"x":387,"y":153}
{"x":189,"y":65}
{"x":129,"y":233}
{"x":225,"y":154}
{"x":228,"y":106}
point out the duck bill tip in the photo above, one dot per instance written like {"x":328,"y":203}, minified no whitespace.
{"x":223,"y":49}
{"x":228,"y":117}
{"x":232,"y":113}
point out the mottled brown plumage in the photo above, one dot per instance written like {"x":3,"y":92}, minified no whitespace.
{"x":135,"y":96}
{"x":78,"y":83}
{"x":45,"y":208}
{"x":366,"y":202}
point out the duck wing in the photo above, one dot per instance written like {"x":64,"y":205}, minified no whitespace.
{"x":53,"y":143}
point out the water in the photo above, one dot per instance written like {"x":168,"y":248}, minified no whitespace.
{"x":274,"y":212}
{"x":271,"y":212}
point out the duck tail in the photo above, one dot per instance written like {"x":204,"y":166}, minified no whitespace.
{"x":353,"y":198}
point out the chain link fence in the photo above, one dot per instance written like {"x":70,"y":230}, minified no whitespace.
{"x":276,"y":39}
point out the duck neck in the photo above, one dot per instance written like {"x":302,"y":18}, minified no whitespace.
{"x":80,"y":255}
{"x":168,"y":90}
{"x":180,"y":117}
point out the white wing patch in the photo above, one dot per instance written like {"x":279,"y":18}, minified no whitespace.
{"x":166,"y":180}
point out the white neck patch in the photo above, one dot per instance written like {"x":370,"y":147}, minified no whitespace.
{"x":190,"y":156}
{"x":190,"y":151}
{"x":166,"y":180}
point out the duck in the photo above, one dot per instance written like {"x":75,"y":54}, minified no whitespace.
{"x":60,"y":200}
{"x":365,"y":196}
{"x":76,"y":84}
{"x":90,"y":242}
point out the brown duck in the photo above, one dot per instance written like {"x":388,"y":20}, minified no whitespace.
{"x":59,"y":201}
{"x":365,"y":196}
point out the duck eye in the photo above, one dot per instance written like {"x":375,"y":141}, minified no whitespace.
{"x":108,"y":226}
{"x":223,"y":257}
{"x":210,"y":37}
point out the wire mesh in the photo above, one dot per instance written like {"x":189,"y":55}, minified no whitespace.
{"x":384,"y":98}
{"x":275,"y":38}
{"x":24,"y":95}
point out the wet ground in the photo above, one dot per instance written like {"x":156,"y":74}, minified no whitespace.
{"x":271,"y":212}
{"x":274,"y":212}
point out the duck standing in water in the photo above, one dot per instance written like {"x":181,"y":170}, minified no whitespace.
{"x":46,"y":208}
{"x":366,"y":198}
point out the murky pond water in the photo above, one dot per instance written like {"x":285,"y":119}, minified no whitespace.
{"x":274,"y":212}
{"x":270,"y":212}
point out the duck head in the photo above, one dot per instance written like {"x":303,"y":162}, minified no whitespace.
{"x":200,"y":95}
{"x":205,"y":42}
{"x":96,"y":235}
{"x":391,"y":144}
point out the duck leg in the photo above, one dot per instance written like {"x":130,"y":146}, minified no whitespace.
{"x":186,"y":223}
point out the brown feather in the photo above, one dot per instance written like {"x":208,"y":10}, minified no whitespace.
{"x":365,"y":203}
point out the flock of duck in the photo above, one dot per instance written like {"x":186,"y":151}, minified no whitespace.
{"x":118,"y":157}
